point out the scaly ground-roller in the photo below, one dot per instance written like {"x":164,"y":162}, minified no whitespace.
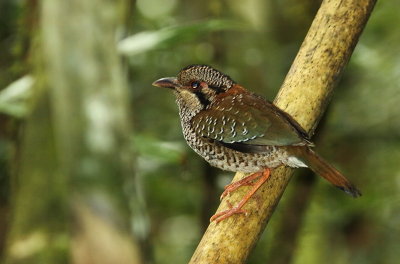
{"x":236,"y":130}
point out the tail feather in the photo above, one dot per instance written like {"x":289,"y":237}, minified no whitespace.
{"x":325,"y":170}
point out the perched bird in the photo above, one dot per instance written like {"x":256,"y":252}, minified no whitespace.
{"x":236,"y":130}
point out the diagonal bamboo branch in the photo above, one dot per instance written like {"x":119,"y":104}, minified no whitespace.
{"x":304,"y":94}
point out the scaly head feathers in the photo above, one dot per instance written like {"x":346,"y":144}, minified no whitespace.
{"x":197,"y":85}
{"x":203,"y":73}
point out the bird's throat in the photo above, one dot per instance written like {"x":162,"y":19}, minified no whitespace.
{"x":189,"y":105}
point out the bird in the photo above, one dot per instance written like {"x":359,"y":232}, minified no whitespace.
{"x":235,"y":129}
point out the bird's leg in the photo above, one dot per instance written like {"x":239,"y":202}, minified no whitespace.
{"x":235,"y":185}
{"x":238,"y":208}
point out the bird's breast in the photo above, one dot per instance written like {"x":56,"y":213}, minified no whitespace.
{"x":231,"y":160}
{"x":220,"y":156}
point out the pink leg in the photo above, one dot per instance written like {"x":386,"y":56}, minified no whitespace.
{"x":235,"y":185}
{"x":238,"y":208}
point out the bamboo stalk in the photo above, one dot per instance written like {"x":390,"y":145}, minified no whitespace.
{"x":304,"y":94}
{"x":71,"y":205}
{"x":91,"y":120}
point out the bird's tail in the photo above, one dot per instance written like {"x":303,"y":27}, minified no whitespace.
{"x":325,"y":170}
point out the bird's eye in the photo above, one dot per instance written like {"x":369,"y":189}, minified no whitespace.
{"x":196,"y":85}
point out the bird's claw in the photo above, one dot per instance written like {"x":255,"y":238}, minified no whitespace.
{"x":224,"y":194}
{"x":218,"y":217}
{"x":228,"y":189}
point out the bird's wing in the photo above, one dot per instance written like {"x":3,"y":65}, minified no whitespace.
{"x":247,"y":122}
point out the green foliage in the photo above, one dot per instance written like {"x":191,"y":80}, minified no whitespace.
{"x":158,"y":151}
{"x":359,"y":133}
{"x":255,"y":44}
{"x":151,"y":40}
{"x":15,"y":98}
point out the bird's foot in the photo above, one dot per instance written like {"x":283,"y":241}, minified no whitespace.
{"x":218,"y":217}
{"x":243,"y":182}
{"x":263,"y":177}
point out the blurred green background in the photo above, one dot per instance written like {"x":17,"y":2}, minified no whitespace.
{"x":255,"y":43}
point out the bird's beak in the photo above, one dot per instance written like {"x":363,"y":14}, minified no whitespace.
{"x":169,"y":82}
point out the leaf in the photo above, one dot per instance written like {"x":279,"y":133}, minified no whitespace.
{"x":149,"y":40}
{"x":14,"y":99}
{"x":161,"y":151}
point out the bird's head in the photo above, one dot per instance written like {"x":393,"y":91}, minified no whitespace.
{"x":196,"y":86}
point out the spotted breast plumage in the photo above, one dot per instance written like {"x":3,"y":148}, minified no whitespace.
{"x":236,"y":130}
